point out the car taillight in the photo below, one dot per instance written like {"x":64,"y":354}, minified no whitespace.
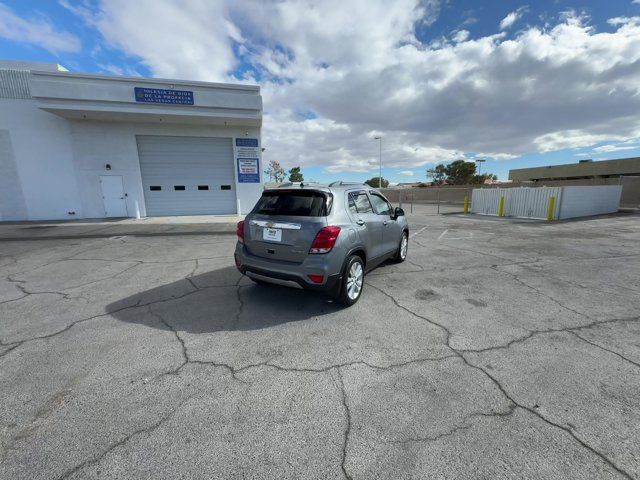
{"x":240,"y":231}
{"x":325,"y":240}
{"x":316,"y":278}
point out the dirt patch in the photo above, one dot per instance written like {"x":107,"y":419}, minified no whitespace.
{"x":426,"y":294}
{"x":475,"y":303}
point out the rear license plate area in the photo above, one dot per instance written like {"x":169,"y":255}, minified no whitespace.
{"x":272,"y":234}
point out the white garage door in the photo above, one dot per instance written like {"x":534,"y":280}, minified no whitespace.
{"x":187,"y":175}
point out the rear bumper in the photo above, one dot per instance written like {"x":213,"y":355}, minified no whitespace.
{"x":282,"y":273}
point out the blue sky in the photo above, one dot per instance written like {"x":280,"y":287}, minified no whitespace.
{"x":517,"y":83}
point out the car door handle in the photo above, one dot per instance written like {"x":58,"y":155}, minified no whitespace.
{"x":360,"y":222}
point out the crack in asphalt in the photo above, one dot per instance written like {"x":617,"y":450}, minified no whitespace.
{"x":111,"y":312}
{"x":19,"y":285}
{"x":240,"y":310}
{"x":495,"y":381}
{"x":73,"y":257}
{"x":122,"y":441}
{"x":457,"y":353}
{"x":417,"y":265}
{"x":606,"y":349}
{"x":347,"y":429}
{"x":530,"y":266}
{"x":69,"y":326}
{"x":339,"y":365}
{"x":185,"y":355}
{"x":463,"y":426}
{"x":538,"y":291}
{"x":195,"y":267}
{"x":109,"y":277}
{"x":430,"y":439}
{"x":234,"y":371}
{"x":533,"y":333}
{"x":12,"y":346}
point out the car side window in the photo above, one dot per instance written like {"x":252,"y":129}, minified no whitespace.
{"x":361,"y":202}
{"x":381,"y":206}
{"x":352,"y":205}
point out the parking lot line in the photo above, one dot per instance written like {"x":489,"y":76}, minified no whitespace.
{"x":418,"y":232}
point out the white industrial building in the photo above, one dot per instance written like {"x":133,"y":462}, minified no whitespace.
{"x":552,"y":203}
{"x":93,"y":146}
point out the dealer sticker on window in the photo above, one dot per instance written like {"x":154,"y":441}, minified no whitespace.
{"x":272,"y":234}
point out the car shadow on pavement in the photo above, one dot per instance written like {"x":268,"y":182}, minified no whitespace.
{"x":220,"y":300}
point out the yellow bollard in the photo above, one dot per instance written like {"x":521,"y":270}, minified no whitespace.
{"x":552,"y":203}
{"x":501,"y":207}
{"x":466,"y":205}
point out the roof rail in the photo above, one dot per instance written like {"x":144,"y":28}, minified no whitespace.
{"x":340,"y":183}
{"x":302,"y":184}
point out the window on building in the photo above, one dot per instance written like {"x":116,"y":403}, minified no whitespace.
{"x":179,"y":187}
{"x":225,"y":187}
{"x":203,"y":187}
{"x":155,"y":188}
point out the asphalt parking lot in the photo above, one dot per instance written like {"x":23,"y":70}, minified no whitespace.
{"x":498,"y":350}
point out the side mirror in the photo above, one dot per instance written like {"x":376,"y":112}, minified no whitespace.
{"x":398,"y":212}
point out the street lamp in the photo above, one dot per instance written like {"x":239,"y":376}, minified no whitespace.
{"x":379,"y":137}
{"x":479,"y":161}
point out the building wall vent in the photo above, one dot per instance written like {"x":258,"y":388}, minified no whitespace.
{"x":14,"y":83}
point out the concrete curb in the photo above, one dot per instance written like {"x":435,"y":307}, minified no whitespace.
{"x":73,"y":232}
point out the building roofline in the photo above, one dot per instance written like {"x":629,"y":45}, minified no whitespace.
{"x":573,"y":164}
{"x":119,"y":78}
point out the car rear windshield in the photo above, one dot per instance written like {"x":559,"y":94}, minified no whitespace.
{"x":303,"y":203}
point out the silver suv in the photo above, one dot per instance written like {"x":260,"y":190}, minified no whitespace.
{"x":320,"y":237}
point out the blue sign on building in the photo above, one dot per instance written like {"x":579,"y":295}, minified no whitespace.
{"x":247,"y":142}
{"x":248,"y":155}
{"x":248,"y":170}
{"x":161,"y":95}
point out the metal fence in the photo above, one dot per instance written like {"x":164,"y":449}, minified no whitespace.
{"x":526,"y":202}
{"x":430,"y":200}
{"x":450,"y":199}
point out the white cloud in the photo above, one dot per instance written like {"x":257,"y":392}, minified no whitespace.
{"x":562,"y":86}
{"x":407,"y":173}
{"x":175,"y":39}
{"x":117,"y":70}
{"x":460,"y":36}
{"x":614,"y":148}
{"x":36,"y":31}
{"x":512,"y":18}
{"x":623,"y":20}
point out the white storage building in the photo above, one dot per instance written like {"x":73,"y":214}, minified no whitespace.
{"x":93,"y":146}
{"x":558,"y":203}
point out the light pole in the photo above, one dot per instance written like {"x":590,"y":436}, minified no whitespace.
{"x":479,"y":162}
{"x":379,"y":137}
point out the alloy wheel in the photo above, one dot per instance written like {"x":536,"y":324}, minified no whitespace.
{"x":355,"y":278}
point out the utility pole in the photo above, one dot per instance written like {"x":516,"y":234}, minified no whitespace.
{"x":380,"y":173}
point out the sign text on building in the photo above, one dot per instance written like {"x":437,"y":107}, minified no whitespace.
{"x":161,"y":95}
{"x":248,"y":158}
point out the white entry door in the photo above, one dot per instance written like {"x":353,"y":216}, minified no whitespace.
{"x":113,"y":196}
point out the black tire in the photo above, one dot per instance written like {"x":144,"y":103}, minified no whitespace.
{"x":346,"y":296}
{"x":398,"y":257}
